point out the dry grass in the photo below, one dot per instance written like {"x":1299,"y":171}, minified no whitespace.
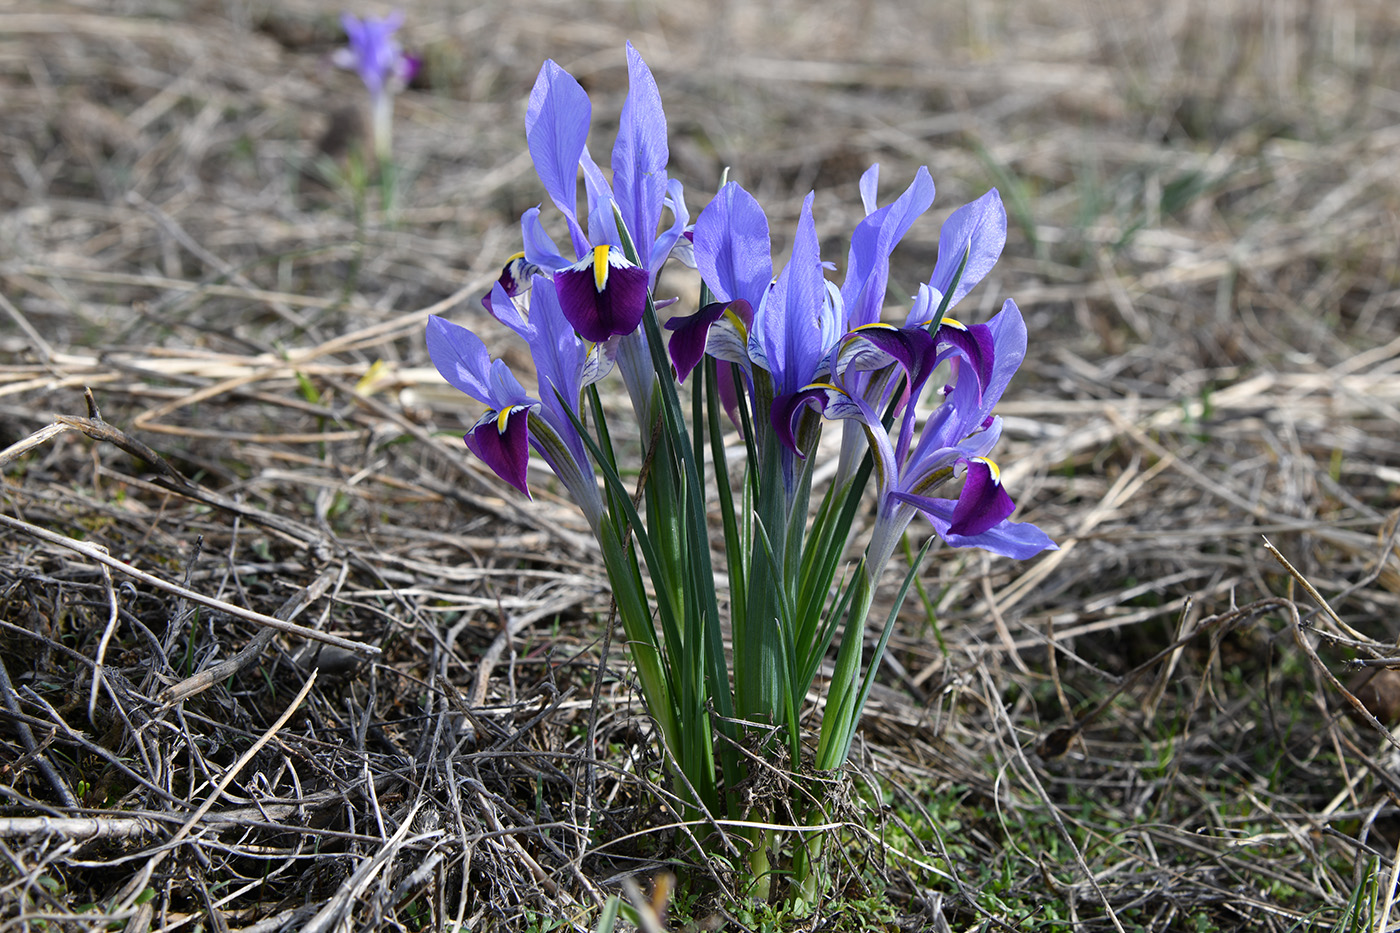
{"x":1143,"y":730}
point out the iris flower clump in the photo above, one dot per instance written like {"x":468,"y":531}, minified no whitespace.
{"x":782,"y":356}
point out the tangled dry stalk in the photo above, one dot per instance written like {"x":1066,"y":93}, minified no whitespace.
{"x":278,"y":655}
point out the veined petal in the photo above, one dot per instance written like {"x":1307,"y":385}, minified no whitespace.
{"x":733,"y":250}
{"x":640,"y":155}
{"x":464,"y":362}
{"x":791,"y":325}
{"x":975,"y":232}
{"x":844,"y":405}
{"x":868,"y":264}
{"x":597,"y":363}
{"x":603,"y":295}
{"x":556,"y":129}
{"x":501,"y":439}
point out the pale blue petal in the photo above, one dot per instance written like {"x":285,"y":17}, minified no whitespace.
{"x":556,"y":129}
{"x":976,"y":231}
{"x":640,"y":155}
{"x":733,"y":250}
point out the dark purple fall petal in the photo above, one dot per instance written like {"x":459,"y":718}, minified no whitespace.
{"x":788,"y":408}
{"x":983,"y":502}
{"x":687,"y":344}
{"x":1017,"y":540}
{"x":602,"y":295}
{"x":501,"y":439}
{"x":913,"y":348}
{"x":976,"y":343}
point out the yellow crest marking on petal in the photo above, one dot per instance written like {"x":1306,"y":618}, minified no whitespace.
{"x":991,"y":465}
{"x":738,"y":323}
{"x":953,"y":322}
{"x":600,"y":266}
{"x":503,"y":420}
{"x":514,"y":257}
{"x":874,"y":325}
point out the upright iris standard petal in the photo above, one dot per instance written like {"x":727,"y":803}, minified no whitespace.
{"x":464,"y":362}
{"x":602,"y":295}
{"x":640,"y":155}
{"x":972,"y":239}
{"x":556,"y":129}
{"x":797,"y":322}
{"x":733,"y":250}
{"x":501,"y":439}
{"x":868,"y":265}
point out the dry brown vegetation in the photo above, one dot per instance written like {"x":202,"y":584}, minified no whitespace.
{"x":1143,"y":730}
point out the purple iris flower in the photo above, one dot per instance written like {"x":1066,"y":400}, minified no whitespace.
{"x":603,"y":293}
{"x":514,"y":421}
{"x":955,"y":439}
{"x":828,"y":351}
{"x":375,"y":54}
{"x":382,"y":65}
{"x":799,"y":318}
